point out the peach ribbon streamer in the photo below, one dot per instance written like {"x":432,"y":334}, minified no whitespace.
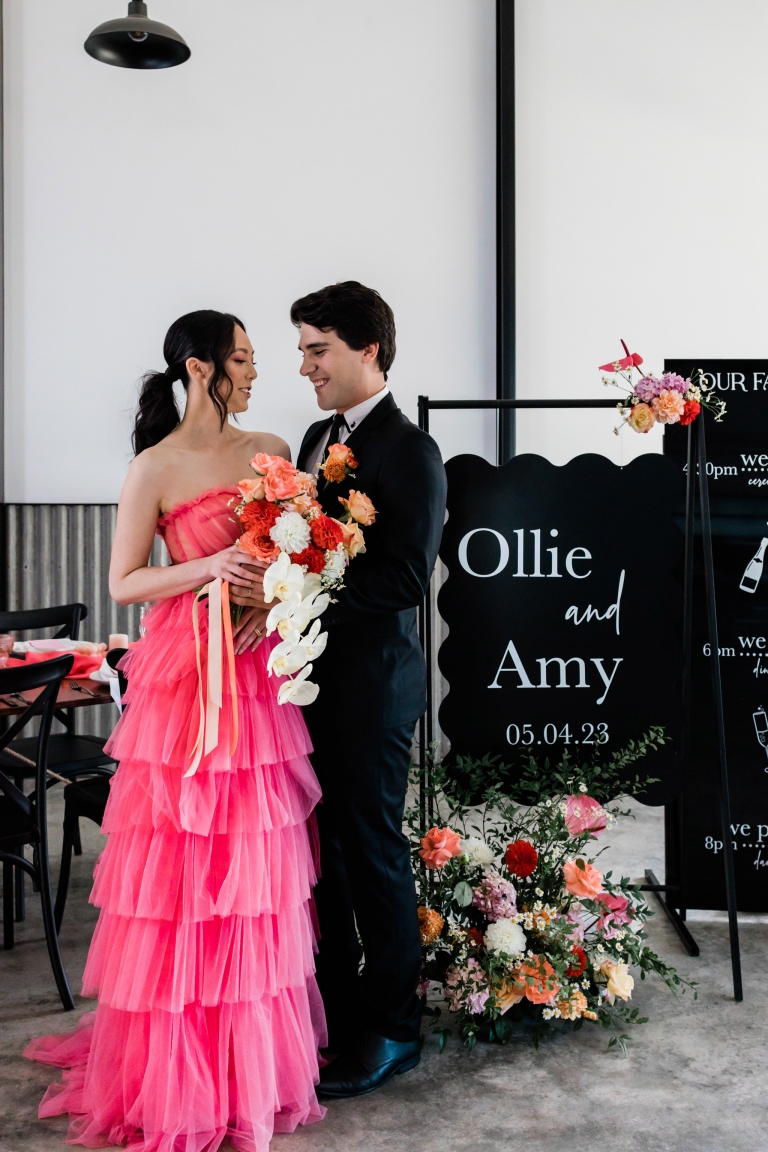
{"x":210,"y":697}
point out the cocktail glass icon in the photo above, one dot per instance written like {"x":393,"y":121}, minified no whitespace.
{"x":761,"y":728}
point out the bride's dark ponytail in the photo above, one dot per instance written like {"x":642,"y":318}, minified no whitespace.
{"x":205,"y":335}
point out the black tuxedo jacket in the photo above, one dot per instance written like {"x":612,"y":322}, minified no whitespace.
{"x":372,"y":671}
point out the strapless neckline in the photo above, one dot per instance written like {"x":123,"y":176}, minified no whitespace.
{"x":170,"y":516}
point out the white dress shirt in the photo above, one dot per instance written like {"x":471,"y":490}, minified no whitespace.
{"x":353,"y":417}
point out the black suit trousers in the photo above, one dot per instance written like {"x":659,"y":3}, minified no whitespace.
{"x":366,"y":882}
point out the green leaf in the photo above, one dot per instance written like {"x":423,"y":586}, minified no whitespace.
{"x":462,"y":894}
{"x":441,"y":1041}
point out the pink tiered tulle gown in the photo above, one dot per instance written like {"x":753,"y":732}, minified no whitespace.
{"x":209,"y":1019}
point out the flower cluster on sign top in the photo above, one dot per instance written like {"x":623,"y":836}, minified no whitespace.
{"x":517,"y":923}
{"x":666,"y":399}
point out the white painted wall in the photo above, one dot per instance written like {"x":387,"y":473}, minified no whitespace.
{"x":313,"y":140}
{"x":642,"y":192}
{"x":306,"y":141}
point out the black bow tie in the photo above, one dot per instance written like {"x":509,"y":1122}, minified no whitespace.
{"x":337,"y":424}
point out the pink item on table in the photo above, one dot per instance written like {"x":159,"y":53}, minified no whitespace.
{"x":81,"y":667}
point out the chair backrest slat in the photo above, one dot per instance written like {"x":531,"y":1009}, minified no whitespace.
{"x":66,"y":617}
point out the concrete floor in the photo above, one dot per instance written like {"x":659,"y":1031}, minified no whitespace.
{"x":695,"y":1079}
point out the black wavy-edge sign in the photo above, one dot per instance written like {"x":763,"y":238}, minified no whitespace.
{"x":564,"y":607}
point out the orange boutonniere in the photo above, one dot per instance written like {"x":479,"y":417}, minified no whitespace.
{"x":338,"y":464}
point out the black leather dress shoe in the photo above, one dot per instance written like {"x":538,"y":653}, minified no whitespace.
{"x":374,"y":1061}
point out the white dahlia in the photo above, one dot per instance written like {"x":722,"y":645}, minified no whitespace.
{"x":505,"y":936}
{"x":290,"y":532}
{"x":476,"y":851}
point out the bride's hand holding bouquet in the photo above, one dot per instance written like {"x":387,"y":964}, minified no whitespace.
{"x":303,"y":554}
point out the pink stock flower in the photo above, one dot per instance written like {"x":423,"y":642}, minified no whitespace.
{"x":674,"y":382}
{"x":615,"y":914}
{"x":496,"y":897}
{"x":467,"y":987}
{"x":438,"y":846}
{"x":577,"y":927}
{"x":648,"y":388}
{"x":583,"y":814}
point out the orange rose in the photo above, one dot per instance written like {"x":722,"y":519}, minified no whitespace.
{"x":620,"y":983}
{"x":581,"y":879}
{"x":438,"y":846}
{"x":281,"y":481}
{"x":262,"y":462}
{"x":252,"y":489}
{"x":340,"y":461}
{"x":302,"y":504}
{"x":354,"y":541}
{"x":641,"y":418}
{"x":258,"y":545}
{"x":308,"y":483}
{"x":359,"y":507}
{"x":342,"y":452}
{"x":540,"y":980}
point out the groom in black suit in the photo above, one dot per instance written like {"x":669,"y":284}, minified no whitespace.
{"x":372,"y":681}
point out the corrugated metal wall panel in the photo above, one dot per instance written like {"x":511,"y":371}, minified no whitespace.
{"x":59,"y":554}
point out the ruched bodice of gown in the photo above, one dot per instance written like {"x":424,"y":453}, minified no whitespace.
{"x":209,"y":1020}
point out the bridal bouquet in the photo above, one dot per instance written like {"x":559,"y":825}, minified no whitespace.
{"x":517,"y":924}
{"x":666,"y":399}
{"x":283,"y":522}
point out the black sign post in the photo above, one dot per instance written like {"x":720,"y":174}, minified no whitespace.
{"x":655,"y":656}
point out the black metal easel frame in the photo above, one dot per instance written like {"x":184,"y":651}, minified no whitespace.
{"x":696,"y":475}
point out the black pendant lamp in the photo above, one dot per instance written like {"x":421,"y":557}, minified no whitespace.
{"x":135,"y":41}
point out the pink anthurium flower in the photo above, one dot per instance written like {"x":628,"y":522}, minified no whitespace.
{"x":631,"y":360}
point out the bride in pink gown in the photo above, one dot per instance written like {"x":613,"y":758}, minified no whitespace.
{"x":208,"y":1021}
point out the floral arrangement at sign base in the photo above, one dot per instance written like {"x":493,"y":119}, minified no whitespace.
{"x":517,"y":923}
{"x":666,"y":399}
{"x":283,"y":522}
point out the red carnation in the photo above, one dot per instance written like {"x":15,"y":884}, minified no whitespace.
{"x":326,"y":532}
{"x":521,"y":858}
{"x":579,"y":963}
{"x":476,"y":937}
{"x":690,"y":411}
{"x":312,"y":557}
{"x":259,"y":516}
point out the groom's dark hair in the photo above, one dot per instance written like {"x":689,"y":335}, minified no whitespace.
{"x":358,"y":315}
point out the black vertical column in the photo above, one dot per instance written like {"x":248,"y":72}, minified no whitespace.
{"x":505,"y":226}
{"x":3,"y":530}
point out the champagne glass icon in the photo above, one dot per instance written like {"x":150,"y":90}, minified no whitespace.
{"x":754,"y":570}
{"x":761,"y":728}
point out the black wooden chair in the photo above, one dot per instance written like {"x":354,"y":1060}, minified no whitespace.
{"x":69,"y":755}
{"x":85,"y":798}
{"x":24,"y":819}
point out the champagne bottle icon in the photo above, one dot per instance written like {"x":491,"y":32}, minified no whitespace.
{"x":761,"y":728}
{"x":754,"y":569}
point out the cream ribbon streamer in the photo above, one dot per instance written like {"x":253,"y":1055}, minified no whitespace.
{"x":210,"y":697}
